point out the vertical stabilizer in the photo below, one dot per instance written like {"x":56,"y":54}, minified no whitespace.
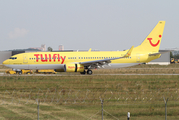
{"x":153,"y":40}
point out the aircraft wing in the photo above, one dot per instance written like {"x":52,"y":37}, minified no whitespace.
{"x":100,"y":63}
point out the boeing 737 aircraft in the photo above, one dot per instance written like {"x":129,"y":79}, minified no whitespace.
{"x":84,"y":62}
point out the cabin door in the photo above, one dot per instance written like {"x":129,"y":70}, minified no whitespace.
{"x":25,"y":58}
{"x":137,"y":57}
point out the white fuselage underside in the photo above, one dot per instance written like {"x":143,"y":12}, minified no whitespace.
{"x":61,"y":66}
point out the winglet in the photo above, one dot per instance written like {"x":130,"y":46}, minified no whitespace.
{"x":89,"y":50}
{"x":129,"y":52}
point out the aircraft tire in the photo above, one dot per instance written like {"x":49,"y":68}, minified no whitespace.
{"x":20,"y":72}
{"x":89,"y":72}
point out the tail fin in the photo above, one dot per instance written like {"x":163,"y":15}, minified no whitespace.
{"x":153,"y":40}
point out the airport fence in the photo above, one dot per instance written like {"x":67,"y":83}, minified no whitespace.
{"x":88,"y":96}
{"x":72,"y":96}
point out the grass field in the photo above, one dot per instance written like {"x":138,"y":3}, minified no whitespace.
{"x":78,"y":97}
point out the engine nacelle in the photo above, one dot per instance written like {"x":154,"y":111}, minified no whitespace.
{"x":74,"y":68}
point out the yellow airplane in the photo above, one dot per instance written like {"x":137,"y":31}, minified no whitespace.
{"x":83,"y":62}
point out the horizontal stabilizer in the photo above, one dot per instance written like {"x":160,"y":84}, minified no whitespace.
{"x":160,"y":52}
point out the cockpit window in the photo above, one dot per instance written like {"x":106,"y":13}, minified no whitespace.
{"x":13,"y":58}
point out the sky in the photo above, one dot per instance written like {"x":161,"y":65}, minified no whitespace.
{"x":83,"y":24}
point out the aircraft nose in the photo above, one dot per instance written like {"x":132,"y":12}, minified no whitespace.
{"x":5,"y":62}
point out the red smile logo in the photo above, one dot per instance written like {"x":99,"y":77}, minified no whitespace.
{"x":150,"y":41}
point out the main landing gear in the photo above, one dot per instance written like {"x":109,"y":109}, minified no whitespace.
{"x":89,"y":72}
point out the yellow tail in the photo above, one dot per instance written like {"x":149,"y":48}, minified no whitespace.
{"x":153,"y":40}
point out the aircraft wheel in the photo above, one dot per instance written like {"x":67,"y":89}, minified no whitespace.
{"x":89,"y":72}
{"x":83,"y":73}
{"x":20,"y":72}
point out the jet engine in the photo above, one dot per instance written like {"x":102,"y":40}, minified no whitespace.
{"x":74,"y":68}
